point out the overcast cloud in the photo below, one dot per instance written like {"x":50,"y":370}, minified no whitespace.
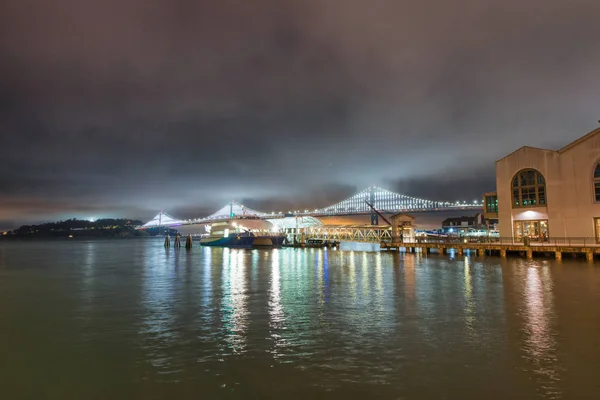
{"x":125,"y":108}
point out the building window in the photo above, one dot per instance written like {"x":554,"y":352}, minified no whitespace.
{"x":536,"y":231}
{"x":597,"y":183}
{"x":528,"y":189}
{"x":597,"y":229}
{"x":491,"y":204}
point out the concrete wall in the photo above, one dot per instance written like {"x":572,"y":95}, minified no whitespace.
{"x":571,"y":206}
{"x":578,"y":164}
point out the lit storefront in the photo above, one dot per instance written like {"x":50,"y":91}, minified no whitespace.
{"x":535,"y":230}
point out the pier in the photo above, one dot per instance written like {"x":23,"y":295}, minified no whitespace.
{"x":574,"y":247}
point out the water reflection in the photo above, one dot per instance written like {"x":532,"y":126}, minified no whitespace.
{"x":351,"y":274}
{"x":469,"y":309}
{"x":88,"y":271}
{"x":410,"y":281}
{"x":158,"y":330}
{"x":320,"y":281}
{"x":378,"y":278}
{"x":296,"y":323}
{"x":206,"y":287}
{"x":365,"y":275}
{"x":540,"y":345}
{"x":234,"y":312}
{"x":276,"y":314}
{"x":255,"y":265}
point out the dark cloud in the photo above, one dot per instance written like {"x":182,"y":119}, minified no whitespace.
{"x":133,"y":106}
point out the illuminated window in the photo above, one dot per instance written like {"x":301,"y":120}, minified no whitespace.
{"x":536,"y":231}
{"x":597,"y":183}
{"x":491,"y":203}
{"x":528,"y":189}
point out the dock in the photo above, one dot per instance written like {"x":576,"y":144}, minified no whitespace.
{"x":575,"y":247}
{"x":313,"y":243}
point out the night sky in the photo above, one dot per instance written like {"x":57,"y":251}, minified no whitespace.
{"x":128,"y":107}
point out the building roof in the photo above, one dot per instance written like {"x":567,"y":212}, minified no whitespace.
{"x":562,"y":150}
{"x":526,"y":147}
{"x":580,"y":140}
{"x":471,"y":220}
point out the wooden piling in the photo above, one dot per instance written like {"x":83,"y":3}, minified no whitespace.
{"x":488,"y":249}
{"x":167,"y":241}
{"x":188,"y":242}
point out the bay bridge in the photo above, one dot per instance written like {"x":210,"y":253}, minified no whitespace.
{"x":373,"y":201}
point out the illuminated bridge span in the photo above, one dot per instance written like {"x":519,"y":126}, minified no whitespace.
{"x":373,"y":201}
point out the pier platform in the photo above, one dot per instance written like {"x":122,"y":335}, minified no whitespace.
{"x":589,"y":251}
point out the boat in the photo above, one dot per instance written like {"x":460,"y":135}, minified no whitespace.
{"x":243,"y":231}
{"x":225,"y":234}
{"x":268,"y":239}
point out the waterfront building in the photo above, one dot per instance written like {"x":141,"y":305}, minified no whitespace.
{"x":463,"y":225}
{"x":550,"y":193}
{"x":403,"y":227}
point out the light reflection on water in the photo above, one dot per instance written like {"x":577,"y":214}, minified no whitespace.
{"x":159,"y":322}
{"x":276,"y":312}
{"x":234,"y":308}
{"x":540,"y":346}
{"x":469,"y":311}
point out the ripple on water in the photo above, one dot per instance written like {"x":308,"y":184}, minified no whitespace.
{"x":131,"y":317}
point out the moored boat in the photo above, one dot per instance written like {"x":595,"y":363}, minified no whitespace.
{"x":268,"y":239}
{"x":224,"y":234}
{"x":243,"y":231}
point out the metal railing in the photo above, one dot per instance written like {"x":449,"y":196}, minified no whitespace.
{"x":551,"y":241}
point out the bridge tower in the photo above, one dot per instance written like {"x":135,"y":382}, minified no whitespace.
{"x":374,"y":216}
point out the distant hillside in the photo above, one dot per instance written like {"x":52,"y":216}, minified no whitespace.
{"x":107,"y":227}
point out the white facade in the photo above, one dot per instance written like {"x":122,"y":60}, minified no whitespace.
{"x":554,"y":194}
